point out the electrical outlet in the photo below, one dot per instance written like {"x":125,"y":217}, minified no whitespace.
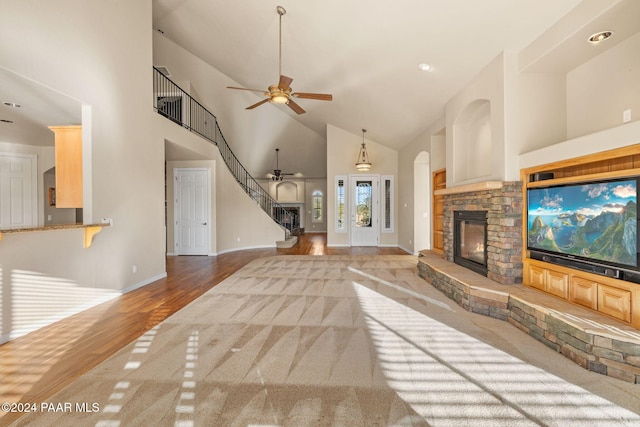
{"x":626,"y":116}
{"x":107,"y":221}
{"x":135,"y":269}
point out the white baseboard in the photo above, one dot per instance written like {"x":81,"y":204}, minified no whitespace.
{"x":143,"y":283}
{"x":175,"y":254}
{"x":244,"y":248}
{"x":407,"y":250}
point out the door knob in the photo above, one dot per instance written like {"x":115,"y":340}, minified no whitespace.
{"x":204,"y":223}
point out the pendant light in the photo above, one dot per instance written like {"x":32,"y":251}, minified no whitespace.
{"x":363,"y":164}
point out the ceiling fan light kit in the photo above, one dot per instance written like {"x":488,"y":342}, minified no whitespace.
{"x":363,"y":164}
{"x":282,"y":93}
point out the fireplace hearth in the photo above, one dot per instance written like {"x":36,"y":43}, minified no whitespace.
{"x":470,"y":240}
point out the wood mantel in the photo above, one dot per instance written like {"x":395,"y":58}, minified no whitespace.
{"x":478,"y":186}
{"x":90,"y":230}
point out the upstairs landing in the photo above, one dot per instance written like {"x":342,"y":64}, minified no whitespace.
{"x":592,"y":340}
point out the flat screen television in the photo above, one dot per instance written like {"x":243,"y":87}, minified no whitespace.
{"x":589,"y":224}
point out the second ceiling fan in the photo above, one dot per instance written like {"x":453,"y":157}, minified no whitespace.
{"x":278,"y":175}
{"x":282,"y":93}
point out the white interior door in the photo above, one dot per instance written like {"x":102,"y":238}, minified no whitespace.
{"x":18,"y":191}
{"x":365,"y":210}
{"x":192,"y":211}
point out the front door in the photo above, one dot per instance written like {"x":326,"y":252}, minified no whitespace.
{"x":365,"y":227}
{"x":192,"y":211}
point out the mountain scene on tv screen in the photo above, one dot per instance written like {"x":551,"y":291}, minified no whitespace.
{"x":597,"y":221}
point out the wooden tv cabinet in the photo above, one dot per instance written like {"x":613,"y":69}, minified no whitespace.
{"x":613,"y":297}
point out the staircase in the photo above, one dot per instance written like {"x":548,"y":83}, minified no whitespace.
{"x":178,"y":106}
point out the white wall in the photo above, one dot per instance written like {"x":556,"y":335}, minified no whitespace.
{"x":535,"y":113}
{"x":253,"y":135}
{"x":433,"y":142}
{"x":237,"y":222}
{"x":599,"y":90}
{"x":342,"y":153}
{"x":100,"y":53}
{"x":489,"y":86}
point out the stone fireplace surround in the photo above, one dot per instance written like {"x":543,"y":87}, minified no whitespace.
{"x":503,"y":202}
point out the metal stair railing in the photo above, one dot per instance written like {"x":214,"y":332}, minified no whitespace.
{"x":170,"y":101}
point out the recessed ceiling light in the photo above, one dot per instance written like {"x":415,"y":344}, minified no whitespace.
{"x":424,"y":67}
{"x":600,"y":37}
{"x":12,"y":104}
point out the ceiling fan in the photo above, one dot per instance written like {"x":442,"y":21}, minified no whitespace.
{"x":282,"y":93}
{"x":278,"y":175}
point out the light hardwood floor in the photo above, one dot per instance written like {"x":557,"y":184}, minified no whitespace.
{"x":36,"y":366}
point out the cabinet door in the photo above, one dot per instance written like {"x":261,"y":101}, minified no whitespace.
{"x":558,"y":284}
{"x":584,"y":292}
{"x":68,"y":151}
{"x":614,"y":302}
{"x":536,"y":277}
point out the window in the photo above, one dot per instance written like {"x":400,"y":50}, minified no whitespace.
{"x":340,"y":204}
{"x":364,"y":204}
{"x":387,"y":204}
{"x":316,"y":203}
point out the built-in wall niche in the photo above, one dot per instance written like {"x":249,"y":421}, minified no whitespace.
{"x":472,"y":144}
{"x":287,"y":191}
{"x":597,"y":289}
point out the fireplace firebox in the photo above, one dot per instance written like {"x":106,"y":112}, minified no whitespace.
{"x":470,"y":240}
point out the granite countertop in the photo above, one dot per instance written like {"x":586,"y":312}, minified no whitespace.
{"x":50,"y":227}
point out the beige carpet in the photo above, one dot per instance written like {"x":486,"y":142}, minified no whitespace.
{"x":336,"y":341}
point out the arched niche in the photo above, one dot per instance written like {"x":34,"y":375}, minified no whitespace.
{"x":286,"y":191}
{"x":472,"y":143}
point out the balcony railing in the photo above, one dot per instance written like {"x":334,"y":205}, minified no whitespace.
{"x":178,"y":106}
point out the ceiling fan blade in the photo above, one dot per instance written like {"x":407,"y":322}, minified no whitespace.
{"x":244,"y":88}
{"x":295,"y":107}
{"x":285,"y":83}
{"x":257,"y":104}
{"x":318,"y":96}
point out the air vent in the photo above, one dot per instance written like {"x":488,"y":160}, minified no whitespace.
{"x":164,"y":70}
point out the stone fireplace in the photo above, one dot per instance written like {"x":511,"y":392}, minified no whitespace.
{"x":501,"y":202}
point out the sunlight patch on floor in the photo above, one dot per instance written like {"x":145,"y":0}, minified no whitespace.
{"x":451,"y":378}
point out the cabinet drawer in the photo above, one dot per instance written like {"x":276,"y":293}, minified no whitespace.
{"x":558,"y":284}
{"x":614,"y":302}
{"x":584,"y":292}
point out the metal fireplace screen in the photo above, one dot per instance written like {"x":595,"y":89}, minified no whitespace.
{"x":470,"y":240}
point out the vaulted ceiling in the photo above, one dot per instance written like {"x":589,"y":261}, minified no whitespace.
{"x":364,"y":52}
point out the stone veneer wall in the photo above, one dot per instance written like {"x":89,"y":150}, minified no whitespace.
{"x":504,"y":230}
